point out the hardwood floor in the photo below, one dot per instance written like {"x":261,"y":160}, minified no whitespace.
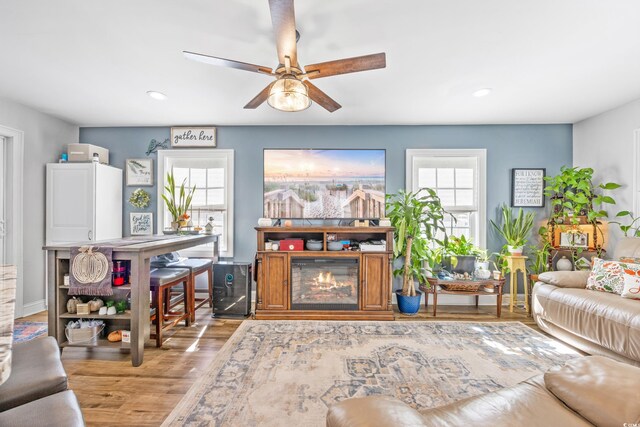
{"x":112,"y":392}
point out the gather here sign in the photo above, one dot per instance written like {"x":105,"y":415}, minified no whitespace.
{"x":193,"y":137}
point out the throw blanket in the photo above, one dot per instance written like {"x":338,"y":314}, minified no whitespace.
{"x":90,"y":271}
{"x":7,"y":307}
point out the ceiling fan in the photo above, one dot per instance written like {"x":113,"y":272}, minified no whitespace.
{"x":292,"y":90}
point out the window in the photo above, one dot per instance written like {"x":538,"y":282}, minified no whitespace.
{"x":211,"y":171}
{"x":459,"y":179}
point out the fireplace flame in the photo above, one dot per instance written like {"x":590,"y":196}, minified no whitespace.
{"x":326,"y":279}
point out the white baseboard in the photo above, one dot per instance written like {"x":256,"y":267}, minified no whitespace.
{"x":34,"y":307}
{"x":466,"y":300}
{"x":453,"y":299}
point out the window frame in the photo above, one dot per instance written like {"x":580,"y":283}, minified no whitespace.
{"x":411,"y":179}
{"x":164,"y":159}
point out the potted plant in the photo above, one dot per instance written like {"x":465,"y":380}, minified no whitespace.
{"x":418,"y":220}
{"x":538,"y":261}
{"x":573,"y":195}
{"x":631,"y":227}
{"x":515,"y":231}
{"x":461,"y":255}
{"x":179,"y":206}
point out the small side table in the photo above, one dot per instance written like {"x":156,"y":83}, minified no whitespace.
{"x":435,"y":289}
{"x":517,"y":263}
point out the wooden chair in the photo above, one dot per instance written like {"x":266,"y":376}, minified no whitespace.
{"x":162,"y":280}
{"x":196,"y":267}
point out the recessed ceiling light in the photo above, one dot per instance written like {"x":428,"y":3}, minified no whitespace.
{"x":482,"y":92}
{"x":157,"y":95}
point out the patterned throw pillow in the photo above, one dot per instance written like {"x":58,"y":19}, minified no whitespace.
{"x":630,"y":260}
{"x":607,"y":276}
{"x":631,"y":283}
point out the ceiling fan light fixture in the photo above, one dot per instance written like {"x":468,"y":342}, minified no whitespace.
{"x":289,"y":94}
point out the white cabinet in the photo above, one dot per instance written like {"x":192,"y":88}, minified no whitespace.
{"x":84,"y":202}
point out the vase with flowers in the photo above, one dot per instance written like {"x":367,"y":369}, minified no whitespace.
{"x":178,"y":202}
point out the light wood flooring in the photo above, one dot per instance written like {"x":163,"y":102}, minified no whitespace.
{"x":112,"y":392}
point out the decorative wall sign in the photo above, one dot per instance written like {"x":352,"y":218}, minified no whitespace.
{"x":527,"y":187}
{"x":193,"y":137}
{"x":141,"y":223}
{"x":574,"y":240}
{"x":139,"y":172}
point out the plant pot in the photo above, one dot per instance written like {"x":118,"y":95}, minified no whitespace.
{"x":175,"y":225}
{"x":183,"y":223}
{"x":497,"y":275}
{"x":515,"y":250}
{"x":463,"y":264}
{"x":407,"y":304}
{"x":482,"y":265}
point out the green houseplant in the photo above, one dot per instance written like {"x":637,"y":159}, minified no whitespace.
{"x":178,"y":203}
{"x":514,"y":230}
{"x":418,"y":220}
{"x":461,"y":255}
{"x":574,"y":194}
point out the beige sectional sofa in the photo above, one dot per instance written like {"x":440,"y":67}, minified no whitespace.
{"x":596,"y":322}
{"x":587,"y":391}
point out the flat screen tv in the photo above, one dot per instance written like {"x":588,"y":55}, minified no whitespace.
{"x":324,"y":184}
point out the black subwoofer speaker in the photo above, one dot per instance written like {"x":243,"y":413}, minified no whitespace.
{"x":232,"y":283}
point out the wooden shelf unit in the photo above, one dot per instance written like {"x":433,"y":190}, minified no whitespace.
{"x":112,"y":322}
{"x":273,"y":271}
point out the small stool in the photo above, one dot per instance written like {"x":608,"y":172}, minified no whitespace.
{"x":197,"y":266}
{"x":161,"y":281}
{"x":517,"y":263}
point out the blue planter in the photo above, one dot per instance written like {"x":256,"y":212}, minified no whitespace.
{"x":406,"y":304}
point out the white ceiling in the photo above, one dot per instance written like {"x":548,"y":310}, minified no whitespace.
{"x":548,"y":61}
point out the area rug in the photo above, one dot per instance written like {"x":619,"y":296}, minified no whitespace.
{"x":25,"y":331}
{"x":287,"y":373}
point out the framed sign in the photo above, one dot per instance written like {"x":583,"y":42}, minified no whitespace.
{"x":527,"y":187}
{"x":141,"y":223}
{"x":200,"y":137}
{"x":139,"y":172}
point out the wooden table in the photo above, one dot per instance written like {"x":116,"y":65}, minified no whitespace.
{"x":137,"y":250}
{"x":435,"y":289}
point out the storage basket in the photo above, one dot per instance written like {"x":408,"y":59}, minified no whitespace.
{"x":461,"y":287}
{"x":83,"y":335}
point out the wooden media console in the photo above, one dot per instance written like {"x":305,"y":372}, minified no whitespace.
{"x":324,"y":284}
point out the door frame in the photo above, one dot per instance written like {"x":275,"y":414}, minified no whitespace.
{"x":14,"y":139}
{"x":636,"y":172}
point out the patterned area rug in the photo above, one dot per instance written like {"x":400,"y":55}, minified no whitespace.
{"x":286,"y":373}
{"x":25,"y":331}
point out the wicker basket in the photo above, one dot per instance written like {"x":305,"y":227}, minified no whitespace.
{"x":461,"y":287}
{"x":83,"y":335}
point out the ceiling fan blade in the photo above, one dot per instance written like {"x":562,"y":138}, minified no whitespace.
{"x":345,"y":66}
{"x":260,"y":98}
{"x":321,"y":98}
{"x":230,"y":63}
{"x":284,"y":27}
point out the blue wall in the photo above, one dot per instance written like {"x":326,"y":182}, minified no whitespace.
{"x":508,"y":146}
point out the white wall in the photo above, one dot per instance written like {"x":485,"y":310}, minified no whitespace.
{"x":45,"y":137}
{"x":605,"y":143}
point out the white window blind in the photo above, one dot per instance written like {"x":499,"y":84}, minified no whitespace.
{"x":458,"y":177}
{"x":211,"y":172}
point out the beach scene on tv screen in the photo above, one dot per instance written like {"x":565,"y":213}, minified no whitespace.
{"x":324,"y":183}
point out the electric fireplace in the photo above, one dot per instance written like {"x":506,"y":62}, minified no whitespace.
{"x":324,"y":283}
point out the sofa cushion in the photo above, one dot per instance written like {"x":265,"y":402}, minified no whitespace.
{"x":599,"y":317}
{"x":603,"y":391}
{"x":525,"y":404}
{"x":60,"y":409}
{"x":36,"y":372}
{"x":607,"y":276}
{"x":373,"y":411}
{"x":627,"y":247}
{"x":565,"y":279}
